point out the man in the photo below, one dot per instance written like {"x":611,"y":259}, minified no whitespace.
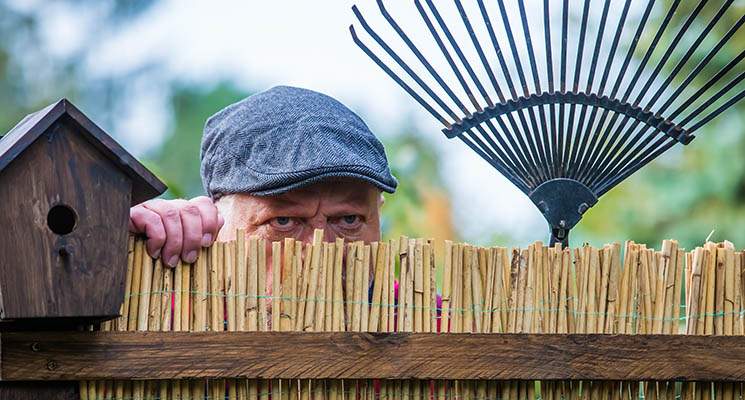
{"x":278,"y":164}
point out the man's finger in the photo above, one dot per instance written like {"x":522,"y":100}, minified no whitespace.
{"x":191,"y":223}
{"x":143,"y":220}
{"x":210,"y":220}
{"x":171,"y":219}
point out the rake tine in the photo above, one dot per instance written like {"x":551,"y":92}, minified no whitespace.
{"x":526,"y":92}
{"x":595,"y":145}
{"x":403,"y":64}
{"x":468,"y":141}
{"x":461,"y":56}
{"x":692,"y":48}
{"x":562,"y":140}
{"x":423,"y":85}
{"x":669,"y":51}
{"x":708,"y":85}
{"x":575,"y":88}
{"x":487,"y":67}
{"x":677,"y":69}
{"x":639,"y":70}
{"x":594,"y":170}
{"x":634,"y":146}
{"x":550,"y":70}
{"x":613,"y":182}
{"x":458,"y":52}
{"x":719,"y":110}
{"x":397,"y":79}
{"x":421,"y":58}
{"x":461,"y":79}
{"x":510,"y":84}
{"x":532,"y":164}
{"x":590,"y":80}
{"x":650,"y":49}
{"x":703,"y":64}
{"x":543,"y":146}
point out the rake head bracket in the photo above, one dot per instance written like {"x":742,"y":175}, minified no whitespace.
{"x":562,"y":202}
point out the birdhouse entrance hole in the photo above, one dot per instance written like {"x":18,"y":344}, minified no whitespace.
{"x":62,"y":219}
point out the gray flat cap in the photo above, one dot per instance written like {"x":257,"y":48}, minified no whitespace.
{"x":286,"y":138}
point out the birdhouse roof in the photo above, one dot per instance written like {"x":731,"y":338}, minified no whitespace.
{"x":145,"y":185}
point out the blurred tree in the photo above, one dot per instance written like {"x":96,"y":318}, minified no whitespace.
{"x":176,"y":160}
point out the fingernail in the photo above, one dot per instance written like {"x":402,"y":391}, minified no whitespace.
{"x":156,"y":254}
{"x":191,"y":257}
{"x":173,"y":261}
{"x":207,"y":240}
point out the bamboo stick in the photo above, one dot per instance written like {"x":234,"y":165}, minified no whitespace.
{"x":134,"y":301}
{"x":263,"y":315}
{"x":144,"y":293}
{"x":315,"y":262}
{"x":288,"y":286}
{"x":154,"y":312}
{"x":338,"y":291}
{"x":365,"y":289}
{"x":446,"y":287}
{"x":276,"y":293}
{"x":241,"y":276}
{"x":427,"y":280}
{"x":379,"y":286}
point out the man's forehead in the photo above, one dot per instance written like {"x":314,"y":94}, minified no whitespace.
{"x":342,"y":191}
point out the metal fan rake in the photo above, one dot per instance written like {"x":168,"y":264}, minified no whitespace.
{"x":559,"y":132}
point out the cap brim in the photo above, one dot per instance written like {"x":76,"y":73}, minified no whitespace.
{"x":277,"y":190}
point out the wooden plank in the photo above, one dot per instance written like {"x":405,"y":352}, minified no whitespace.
{"x":39,"y":391}
{"x":335,"y":355}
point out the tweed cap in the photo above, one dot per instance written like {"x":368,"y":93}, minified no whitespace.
{"x":286,"y":138}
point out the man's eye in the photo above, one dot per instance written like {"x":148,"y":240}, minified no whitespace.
{"x":282,"y":223}
{"x":350,"y":219}
{"x":282,"y":220}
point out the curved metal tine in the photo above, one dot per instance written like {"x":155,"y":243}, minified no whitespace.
{"x":398,"y":80}
{"x":575,"y":88}
{"x":632,"y":151}
{"x":621,"y":139}
{"x":588,"y":135}
{"x":671,"y":47}
{"x":544,"y":145}
{"x":554,"y":145}
{"x":708,"y":85}
{"x":628,"y":156}
{"x":721,"y":108}
{"x":661,"y":148}
{"x":498,"y":161}
{"x":401,"y":63}
{"x":531,"y":165}
{"x":487,"y":68}
{"x":701,"y":65}
{"x":613,"y":139}
{"x":596,"y":144}
{"x":563,"y":139}
{"x":512,"y":161}
{"x":513,"y":47}
{"x":689,"y":53}
{"x":497,"y":166}
{"x":462,"y":58}
{"x":510,"y":85}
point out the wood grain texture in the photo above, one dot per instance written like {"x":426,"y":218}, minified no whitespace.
{"x":291,"y":355}
{"x":14,"y":143}
{"x":79,"y":274}
{"x":39,"y":391}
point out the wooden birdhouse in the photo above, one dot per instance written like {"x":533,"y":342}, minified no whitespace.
{"x":65,"y":189}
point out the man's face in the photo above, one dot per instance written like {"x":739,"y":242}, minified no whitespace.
{"x":349,"y":209}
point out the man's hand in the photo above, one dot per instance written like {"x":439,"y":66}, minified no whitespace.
{"x":176,"y":228}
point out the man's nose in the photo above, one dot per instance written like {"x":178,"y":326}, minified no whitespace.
{"x":328,"y":234}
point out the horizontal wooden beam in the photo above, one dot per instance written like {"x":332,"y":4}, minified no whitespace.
{"x":170,"y":355}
